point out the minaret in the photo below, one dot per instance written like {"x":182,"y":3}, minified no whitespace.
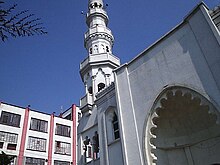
{"x":96,"y":69}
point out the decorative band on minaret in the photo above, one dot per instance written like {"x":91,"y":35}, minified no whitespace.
{"x":98,"y":39}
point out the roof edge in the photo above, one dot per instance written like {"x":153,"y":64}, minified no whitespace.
{"x":164,"y":36}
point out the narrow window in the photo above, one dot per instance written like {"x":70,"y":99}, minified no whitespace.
{"x":90,"y":90}
{"x":90,"y":51}
{"x":95,"y":139}
{"x":115,"y":127}
{"x":89,"y":152}
{"x":62,"y":130}
{"x":87,"y":149}
{"x":1,"y":144}
{"x":96,"y":49}
{"x":107,"y":49}
{"x":103,"y":48}
{"x":10,"y":119}
{"x":101,"y":86}
{"x":95,"y":4}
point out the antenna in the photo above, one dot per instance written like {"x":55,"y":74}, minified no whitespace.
{"x":61,"y":109}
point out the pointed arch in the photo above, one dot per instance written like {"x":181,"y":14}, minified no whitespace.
{"x":180,"y":121}
{"x":112,"y":124}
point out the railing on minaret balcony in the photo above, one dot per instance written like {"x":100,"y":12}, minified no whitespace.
{"x":101,"y":57}
{"x":97,"y":29}
{"x":86,"y":102}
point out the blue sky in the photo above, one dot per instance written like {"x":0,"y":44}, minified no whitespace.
{"x":43,"y":71}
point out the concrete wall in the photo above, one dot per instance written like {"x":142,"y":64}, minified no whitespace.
{"x":188,"y":56}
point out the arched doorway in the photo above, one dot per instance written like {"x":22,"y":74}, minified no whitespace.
{"x":183,"y":129}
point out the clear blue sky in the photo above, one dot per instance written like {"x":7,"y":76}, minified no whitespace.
{"x":43,"y":71}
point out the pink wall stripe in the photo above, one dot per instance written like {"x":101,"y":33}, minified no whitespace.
{"x":50,"y":147}
{"x":23,"y":137}
{"x":74,"y":133}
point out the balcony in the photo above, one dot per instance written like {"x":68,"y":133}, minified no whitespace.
{"x":98,"y":29}
{"x":86,"y":103}
{"x":102,"y":58}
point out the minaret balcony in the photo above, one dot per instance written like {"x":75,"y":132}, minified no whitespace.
{"x":101,"y":58}
{"x":97,"y":30}
{"x":86,"y":103}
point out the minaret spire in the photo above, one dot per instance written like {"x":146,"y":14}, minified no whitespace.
{"x":96,"y":69}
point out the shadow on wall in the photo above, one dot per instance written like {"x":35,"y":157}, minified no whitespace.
{"x":204,"y":53}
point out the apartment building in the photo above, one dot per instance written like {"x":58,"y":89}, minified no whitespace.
{"x":36,"y":138}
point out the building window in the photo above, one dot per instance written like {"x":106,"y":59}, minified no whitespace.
{"x":115,"y":126}
{"x":34,"y":161}
{"x":11,"y":146}
{"x":91,"y":148}
{"x":62,"y":130}
{"x":96,"y":49}
{"x":89,"y":152}
{"x":107,"y":49}
{"x":10,"y":119}
{"x":36,"y":144}
{"x":57,"y":162}
{"x":8,"y":137}
{"x":90,"y":90}
{"x":38,"y":125}
{"x":95,"y":144}
{"x":1,"y":144}
{"x":62,"y":148}
{"x":101,"y":86}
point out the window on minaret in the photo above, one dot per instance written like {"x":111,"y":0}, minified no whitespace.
{"x":90,"y":51}
{"x":103,"y":48}
{"x":95,"y":4}
{"x":101,"y":86}
{"x":90,"y":90}
{"x":96,"y":49}
{"x":107,"y":49}
{"x":115,"y":126}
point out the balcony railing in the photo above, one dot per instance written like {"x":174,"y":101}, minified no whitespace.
{"x":99,"y":58}
{"x":62,"y":150}
{"x":98,"y":29}
{"x":87,"y":99}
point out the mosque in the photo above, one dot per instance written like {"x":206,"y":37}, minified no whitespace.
{"x":161,"y":108}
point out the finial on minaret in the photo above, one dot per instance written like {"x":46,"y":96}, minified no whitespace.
{"x":95,"y":3}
